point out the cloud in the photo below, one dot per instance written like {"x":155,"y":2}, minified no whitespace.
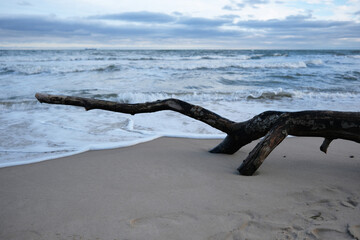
{"x":305,"y":32}
{"x":240,"y":5}
{"x":291,"y":22}
{"x":228,"y":7}
{"x":50,"y":26}
{"x":37,"y":24}
{"x":203,"y":22}
{"x":161,"y":18}
{"x":255,"y":2}
{"x":24,"y":3}
{"x":141,"y":17}
{"x":296,"y":31}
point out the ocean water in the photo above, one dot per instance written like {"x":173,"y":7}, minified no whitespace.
{"x":236,"y":84}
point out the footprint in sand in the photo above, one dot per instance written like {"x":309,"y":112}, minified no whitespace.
{"x":260,"y":230}
{"x":319,"y":215}
{"x":229,"y":224}
{"x":329,"y":198}
{"x":162,"y":220}
{"x":351,"y":202}
{"x":329,"y":234}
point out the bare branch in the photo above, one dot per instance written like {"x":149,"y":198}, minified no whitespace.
{"x":257,"y":156}
{"x":176,"y":105}
{"x":324,"y":146}
{"x":275,"y":126}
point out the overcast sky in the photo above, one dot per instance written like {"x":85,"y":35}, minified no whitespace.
{"x":240,"y":24}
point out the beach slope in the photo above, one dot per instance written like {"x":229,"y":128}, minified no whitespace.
{"x":173,"y":188}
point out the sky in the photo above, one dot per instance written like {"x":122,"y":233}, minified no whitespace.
{"x":182,"y":24}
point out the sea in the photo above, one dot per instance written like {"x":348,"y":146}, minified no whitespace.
{"x":236,"y":84}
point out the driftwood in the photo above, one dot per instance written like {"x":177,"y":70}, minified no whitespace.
{"x":274,"y":126}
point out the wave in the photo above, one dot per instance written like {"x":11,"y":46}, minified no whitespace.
{"x":138,"y":97}
{"x":209,"y":58}
{"x":9,"y":103}
{"x":218,"y":66}
{"x":277,"y":94}
{"x":255,"y":56}
{"x":266,"y":55}
{"x":21,"y":70}
{"x":269,"y":95}
{"x":109,"y":68}
{"x":314,"y":63}
{"x":35,"y":70}
{"x":354,"y":56}
{"x":235,"y":56}
{"x":20,"y":105}
{"x":238,"y":96}
{"x":285,"y":76}
{"x":345,"y":99}
{"x":143,"y":59}
{"x":90,"y":59}
{"x":280,"y":55}
{"x":348,"y":77}
{"x":287,"y":65}
{"x":6,"y":70}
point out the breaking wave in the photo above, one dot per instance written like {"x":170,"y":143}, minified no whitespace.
{"x":220,"y":66}
{"x":109,"y":68}
{"x":251,"y":95}
{"x":270,"y":95}
{"x":36,"y":70}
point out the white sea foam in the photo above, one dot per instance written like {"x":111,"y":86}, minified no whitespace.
{"x":315,"y":62}
{"x":354,"y":56}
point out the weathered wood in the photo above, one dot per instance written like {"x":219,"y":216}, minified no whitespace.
{"x":172,"y":104}
{"x":274,"y":125}
{"x":324,"y":146}
{"x":257,"y":156}
{"x":327,"y":124}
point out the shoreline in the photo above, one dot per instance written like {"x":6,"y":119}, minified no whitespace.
{"x":173,"y":188}
{"x":98,"y":147}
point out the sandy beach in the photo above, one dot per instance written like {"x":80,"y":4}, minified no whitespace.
{"x":173,"y":188}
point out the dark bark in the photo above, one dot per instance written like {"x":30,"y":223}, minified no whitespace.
{"x":274,"y":125}
{"x":324,"y":146}
{"x":172,"y":104}
{"x":257,"y":156}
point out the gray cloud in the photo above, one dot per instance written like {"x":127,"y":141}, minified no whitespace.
{"x":24,"y":3}
{"x":161,"y":18}
{"x":292,"y":32}
{"x":228,"y":7}
{"x":229,"y":16}
{"x":141,"y":17}
{"x":291,"y":22}
{"x":46,"y":26}
{"x":254,"y":2}
{"x":244,"y":3}
{"x":203,"y":22}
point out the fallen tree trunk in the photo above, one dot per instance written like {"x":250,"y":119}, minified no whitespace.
{"x":274,"y":126}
